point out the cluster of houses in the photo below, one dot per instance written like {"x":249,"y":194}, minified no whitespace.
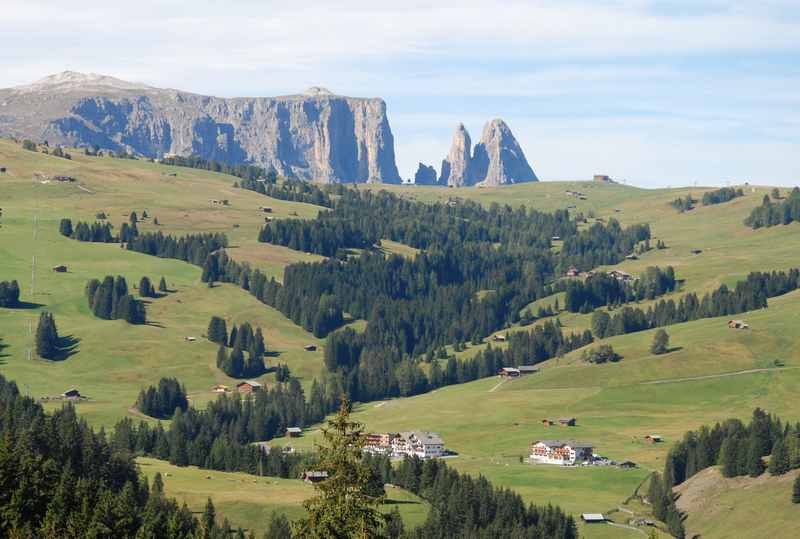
{"x":425,"y":445}
{"x":615,"y":273}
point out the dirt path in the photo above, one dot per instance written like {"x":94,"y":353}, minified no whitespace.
{"x":626,"y":527}
{"x":498,"y":385}
{"x":721,"y":375}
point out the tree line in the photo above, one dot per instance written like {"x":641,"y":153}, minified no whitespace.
{"x":601,"y":289}
{"x":163,"y":400}
{"x":748,"y":295}
{"x":721,"y":195}
{"x":684,"y":204}
{"x":776,"y":213}
{"x":59,"y":478}
{"x":110,"y":299}
{"x":93,"y":232}
{"x":9,"y":293}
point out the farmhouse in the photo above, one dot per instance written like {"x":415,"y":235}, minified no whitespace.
{"x":560,"y":452}
{"x":592,"y":517}
{"x":294,"y":432}
{"x":652,"y":439}
{"x":567,"y":421}
{"x":379,"y":444}
{"x":738,"y":324}
{"x":620,"y":275}
{"x":509,"y":372}
{"x":71,"y":394}
{"x":601,"y":178}
{"x":310,"y":347}
{"x":60,"y":269}
{"x":311,"y":477}
{"x":248,"y":386}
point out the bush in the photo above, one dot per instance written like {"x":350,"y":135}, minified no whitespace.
{"x":162,"y":401}
{"x":660,"y":343}
{"x":601,"y":354}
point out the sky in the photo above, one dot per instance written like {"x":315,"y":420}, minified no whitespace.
{"x":653,"y":93}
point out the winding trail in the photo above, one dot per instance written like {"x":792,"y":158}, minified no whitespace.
{"x":721,"y":375}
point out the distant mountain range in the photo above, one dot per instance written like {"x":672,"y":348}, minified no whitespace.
{"x":315,"y":136}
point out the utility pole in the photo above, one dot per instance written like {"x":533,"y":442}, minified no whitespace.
{"x":33,"y":276}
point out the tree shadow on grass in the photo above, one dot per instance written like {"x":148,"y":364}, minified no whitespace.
{"x":389,"y":501}
{"x":154,"y":324}
{"x":28,"y":305}
{"x":3,"y":346}
{"x":67,"y":346}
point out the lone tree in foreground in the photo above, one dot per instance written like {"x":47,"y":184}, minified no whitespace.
{"x":342,"y":507}
{"x":47,"y":339}
{"x":660,"y":343}
{"x":162,"y":285}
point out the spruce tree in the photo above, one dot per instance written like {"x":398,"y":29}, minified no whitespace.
{"x":217,"y":331}
{"x":47,"y":339}
{"x":279,"y":527}
{"x":342,"y":507}
{"x":755,"y":465}
{"x":146,"y":288}
{"x":162,"y":285}
{"x":779,"y":461}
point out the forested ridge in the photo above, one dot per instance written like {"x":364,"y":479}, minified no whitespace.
{"x":775,"y":213}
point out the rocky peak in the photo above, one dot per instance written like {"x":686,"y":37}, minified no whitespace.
{"x":74,"y":80}
{"x":318,"y":91}
{"x":498,"y":158}
{"x":456,"y":167}
{"x":425,"y":175}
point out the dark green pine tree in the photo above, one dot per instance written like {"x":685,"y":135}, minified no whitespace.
{"x":47,"y":340}
{"x":218,"y":331}
{"x":235,"y":363}
{"x":728,"y":456}
{"x":755,"y":464}
{"x":779,"y":461}
{"x":222,"y":358}
{"x":133,"y":219}
{"x":210,"y":270}
{"x":146,"y":288}
{"x":675,"y":522}
{"x":162,"y":285}
{"x":208,"y":521}
{"x":65,"y":227}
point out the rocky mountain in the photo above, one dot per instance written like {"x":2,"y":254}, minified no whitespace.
{"x":315,"y":136}
{"x":425,"y":175}
{"x":496,"y":160}
{"x":456,"y":166}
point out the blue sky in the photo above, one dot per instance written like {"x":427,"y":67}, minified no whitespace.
{"x":654,"y":92}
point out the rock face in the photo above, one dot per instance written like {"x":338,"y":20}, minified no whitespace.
{"x":316,"y":136}
{"x":456,"y":168}
{"x":425,"y":175}
{"x":497,"y":159}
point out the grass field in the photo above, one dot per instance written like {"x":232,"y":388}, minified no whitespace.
{"x":489,"y":426}
{"x":248,"y":501}
{"x":744,"y":507}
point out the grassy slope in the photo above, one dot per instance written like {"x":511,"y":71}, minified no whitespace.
{"x":115,"y":360}
{"x":742,"y":507}
{"x":248,"y":501}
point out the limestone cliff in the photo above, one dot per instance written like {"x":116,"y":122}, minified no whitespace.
{"x":425,"y":175}
{"x":498,"y":158}
{"x":456,"y":168}
{"x":315,"y":136}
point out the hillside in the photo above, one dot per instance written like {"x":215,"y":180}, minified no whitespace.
{"x":743,"y":507}
{"x":713,"y":372}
